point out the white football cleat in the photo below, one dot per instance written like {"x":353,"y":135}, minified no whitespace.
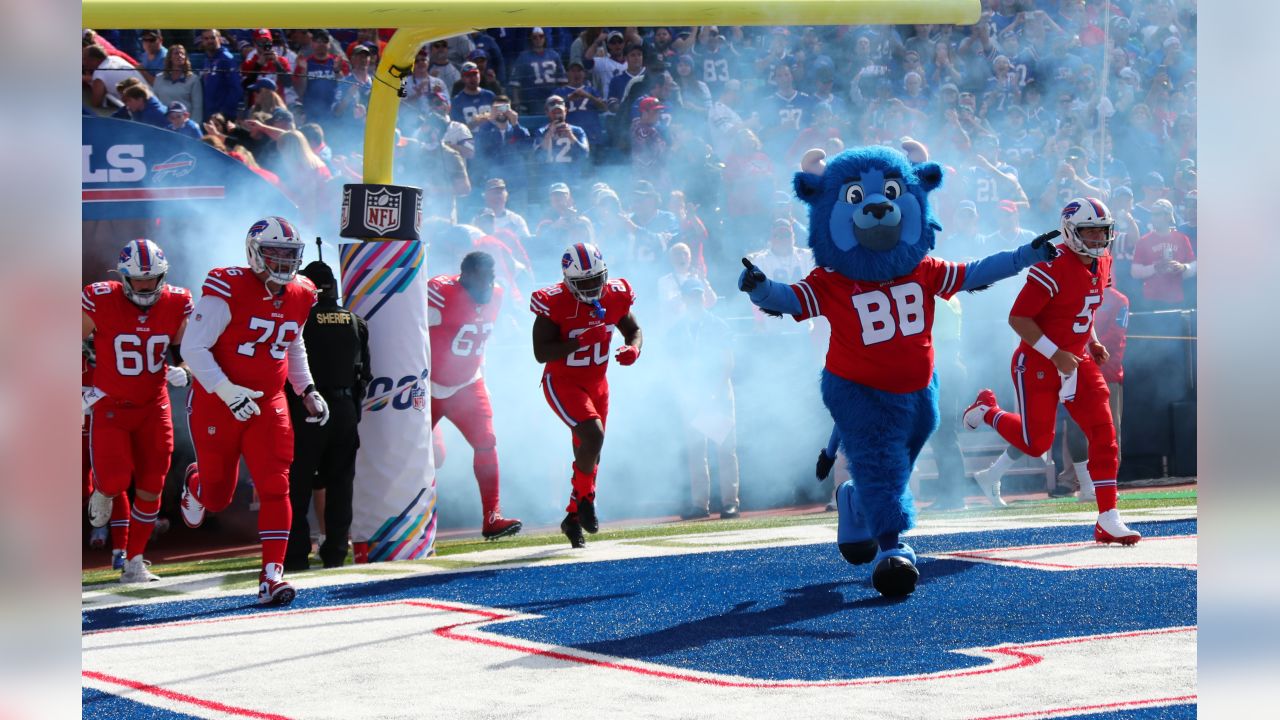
{"x":136,"y":571}
{"x":990,"y":487}
{"x":192,"y":510}
{"x":99,"y":509}
{"x":974,"y":414}
{"x":1111,"y":529}
{"x":272,"y":587}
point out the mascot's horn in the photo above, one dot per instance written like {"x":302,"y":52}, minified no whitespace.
{"x":814,"y":161}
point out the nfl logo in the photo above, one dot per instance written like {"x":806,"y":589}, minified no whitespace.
{"x":419,"y":398}
{"x":346,"y":207}
{"x":381,"y":210}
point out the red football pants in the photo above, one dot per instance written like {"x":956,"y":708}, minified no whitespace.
{"x":265,"y":440}
{"x":1037,"y":384}
{"x":575,"y":402}
{"x":130,"y":443}
{"x":469,"y":410}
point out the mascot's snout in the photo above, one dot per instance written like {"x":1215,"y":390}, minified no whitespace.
{"x":878,"y":226}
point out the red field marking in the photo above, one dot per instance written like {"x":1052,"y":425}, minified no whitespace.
{"x":181,"y":697}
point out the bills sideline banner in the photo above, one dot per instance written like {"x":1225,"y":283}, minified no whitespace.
{"x":385,"y":282}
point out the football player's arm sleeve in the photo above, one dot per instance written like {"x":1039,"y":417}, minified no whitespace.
{"x":86,"y":325}
{"x":212,"y":314}
{"x":299,"y":367}
{"x":435,"y":305}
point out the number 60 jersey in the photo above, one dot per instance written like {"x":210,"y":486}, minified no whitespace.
{"x":252,"y":347}
{"x":129,"y":342}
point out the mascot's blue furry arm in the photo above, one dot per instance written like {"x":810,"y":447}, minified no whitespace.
{"x":871,"y":231}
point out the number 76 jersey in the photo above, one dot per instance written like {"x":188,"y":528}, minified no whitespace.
{"x":881,"y":332}
{"x":252,"y":348}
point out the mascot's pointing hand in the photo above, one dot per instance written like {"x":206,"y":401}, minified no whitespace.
{"x":751,"y":278}
{"x":1044,"y":244}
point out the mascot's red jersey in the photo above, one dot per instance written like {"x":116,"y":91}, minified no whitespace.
{"x":881,"y":332}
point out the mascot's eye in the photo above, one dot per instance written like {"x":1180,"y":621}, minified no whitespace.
{"x":853,"y":194}
{"x":892,"y":189}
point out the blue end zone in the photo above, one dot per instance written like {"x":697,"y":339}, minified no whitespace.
{"x":94,"y":704}
{"x":1172,"y":712}
{"x":783,"y":613}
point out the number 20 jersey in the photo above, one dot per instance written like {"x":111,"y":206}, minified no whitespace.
{"x":130,"y":342}
{"x":252,"y":349}
{"x":572,"y":316}
{"x":881,"y":332}
{"x":458,"y":340}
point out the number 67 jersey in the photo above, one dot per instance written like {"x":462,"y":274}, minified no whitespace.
{"x":252,"y":348}
{"x":459,"y":330}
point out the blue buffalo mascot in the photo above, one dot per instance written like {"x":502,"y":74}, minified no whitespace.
{"x":871,"y":230}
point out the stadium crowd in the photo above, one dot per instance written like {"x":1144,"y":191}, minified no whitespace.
{"x":667,"y":147}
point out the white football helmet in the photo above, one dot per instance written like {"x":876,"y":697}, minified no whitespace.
{"x":274,"y":247}
{"x":585,"y":272}
{"x":142,"y":259}
{"x":1087,"y":213}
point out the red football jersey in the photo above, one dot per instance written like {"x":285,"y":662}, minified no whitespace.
{"x":1061,"y":296}
{"x":881,"y":332}
{"x":572,"y":316}
{"x":130,"y":342}
{"x":252,"y":348}
{"x":1112,"y":321}
{"x":457,"y":342}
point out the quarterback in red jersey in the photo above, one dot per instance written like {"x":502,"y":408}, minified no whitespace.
{"x":134,"y":322}
{"x":245,"y":340}
{"x":572,"y":330}
{"x":1058,"y":361}
{"x":461,"y":311}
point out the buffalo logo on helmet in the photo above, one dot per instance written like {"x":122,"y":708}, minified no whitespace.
{"x":1070,"y":209}
{"x":258,"y":228}
{"x":566,"y":261}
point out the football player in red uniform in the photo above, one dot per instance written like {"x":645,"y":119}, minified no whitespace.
{"x":245,"y":340}
{"x":134,"y":322}
{"x":1057,"y":361}
{"x":461,"y":311}
{"x":572,"y":331}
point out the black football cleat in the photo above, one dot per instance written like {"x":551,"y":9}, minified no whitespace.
{"x":572,"y":530}
{"x":587,"y":515}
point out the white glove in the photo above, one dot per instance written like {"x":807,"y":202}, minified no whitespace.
{"x":316,"y":407}
{"x":239,"y":399}
{"x":89,"y":396}
{"x":177,"y":376}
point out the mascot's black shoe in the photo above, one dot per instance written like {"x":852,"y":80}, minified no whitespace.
{"x":587,"y":515}
{"x":859,"y":553}
{"x":895,"y":573}
{"x":572,"y":530}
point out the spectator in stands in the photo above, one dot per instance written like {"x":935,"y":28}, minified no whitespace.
{"x":438,"y":64}
{"x":440,"y":127}
{"x":1074,"y":180}
{"x":353,"y":97}
{"x":670,"y":293}
{"x":748,"y":185}
{"x":695,"y":95}
{"x":264,"y":62}
{"x":180,"y":121}
{"x":153,"y":56}
{"x":419,"y":87}
{"x":634,"y":70}
{"x":785,"y":113}
{"x":583,"y":102}
{"x":317,"y":79}
{"x":1009,"y":234}
{"x":263,"y":98}
{"x":652,"y":229}
{"x":472,"y":104}
{"x":220,"y":76}
{"x":962,"y":237}
{"x":143,"y":106}
{"x":441,"y":173}
{"x":561,"y":149}
{"x":650,"y":143}
{"x":607,"y":65}
{"x":501,"y":217}
{"x":176,"y":82}
{"x":314,"y":134}
{"x":693,"y":232}
{"x":536,"y":74}
{"x":1153,"y":190}
{"x":612,"y":226}
{"x":102,"y":72}
{"x":503,"y":145}
{"x":781,"y":258}
{"x":1163,"y":260}
{"x":1189,"y":217}
{"x":303,"y":177}
{"x":1128,"y":230}
{"x":489,"y":75}
{"x":564,"y":225}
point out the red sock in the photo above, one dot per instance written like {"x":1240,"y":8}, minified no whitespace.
{"x":275,"y":515}
{"x":143,"y":521}
{"x":1106,"y":492}
{"x":584,"y":484}
{"x":485,"y":465}
{"x":120,"y":522}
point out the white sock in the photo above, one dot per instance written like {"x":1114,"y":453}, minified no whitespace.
{"x":1001,"y":466}
{"x":1082,"y":474}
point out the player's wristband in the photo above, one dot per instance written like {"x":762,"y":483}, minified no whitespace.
{"x":1045,"y":347}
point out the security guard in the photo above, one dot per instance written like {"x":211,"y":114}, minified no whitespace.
{"x":324,"y":456}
